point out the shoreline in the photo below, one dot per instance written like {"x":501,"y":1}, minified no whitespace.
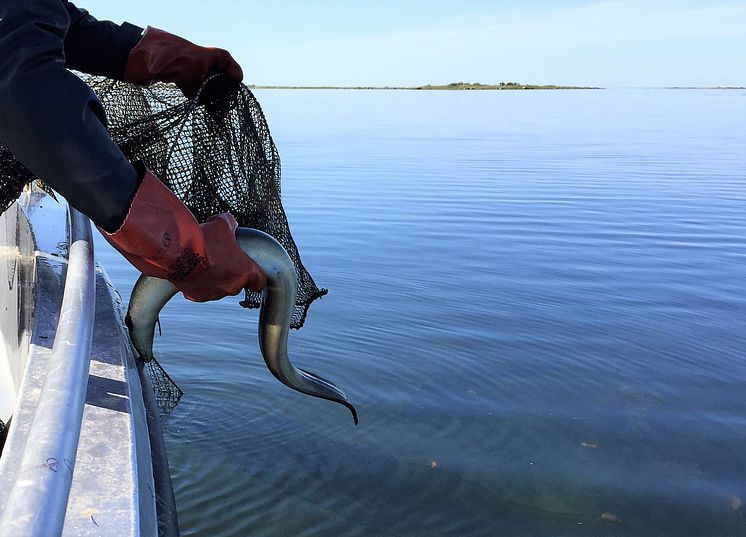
{"x":707,"y":87}
{"x":449,"y":87}
{"x":520,"y":88}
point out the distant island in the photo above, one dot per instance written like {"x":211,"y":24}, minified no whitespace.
{"x":456,"y":86}
{"x":500,"y":86}
{"x":709,"y":87}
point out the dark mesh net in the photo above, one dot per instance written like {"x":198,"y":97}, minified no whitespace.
{"x":215,"y":152}
{"x":3,"y":433}
{"x":13,"y":177}
{"x":167,"y":392}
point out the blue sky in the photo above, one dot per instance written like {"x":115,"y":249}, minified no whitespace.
{"x":407,"y":42}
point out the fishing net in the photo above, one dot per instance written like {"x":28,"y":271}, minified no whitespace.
{"x":3,"y":433}
{"x":215,"y":152}
{"x":167,"y":392}
{"x":13,"y":177}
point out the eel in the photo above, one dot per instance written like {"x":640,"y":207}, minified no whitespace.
{"x":150,"y":295}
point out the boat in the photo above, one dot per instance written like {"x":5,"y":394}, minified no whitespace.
{"x":82,"y":446}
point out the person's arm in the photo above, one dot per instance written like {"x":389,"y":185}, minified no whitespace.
{"x":54,"y":124}
{"x":51,"y":121}
{"x":98,"y":47}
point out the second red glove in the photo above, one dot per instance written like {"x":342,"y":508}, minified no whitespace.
{"x":161,"y":238}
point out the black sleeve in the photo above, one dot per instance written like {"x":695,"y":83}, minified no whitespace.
{"x":98,"y":47}
{"x":51,"y":120}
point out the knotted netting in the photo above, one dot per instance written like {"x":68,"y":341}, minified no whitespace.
{"x":13,"y":177}
{"x":214,"y":152}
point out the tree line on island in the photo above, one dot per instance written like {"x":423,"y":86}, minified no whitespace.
{"x":500,"y":86}
{"x":451,"y":86}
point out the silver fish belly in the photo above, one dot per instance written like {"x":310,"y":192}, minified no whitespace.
{"x":150,"y":295}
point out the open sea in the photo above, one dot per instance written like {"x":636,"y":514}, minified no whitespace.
{"x":537,"y":303}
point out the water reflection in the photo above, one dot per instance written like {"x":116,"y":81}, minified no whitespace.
{"x":536,"y":303}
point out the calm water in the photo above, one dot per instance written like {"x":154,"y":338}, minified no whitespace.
{"x":537,"y":303}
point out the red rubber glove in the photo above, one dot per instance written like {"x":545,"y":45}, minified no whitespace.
{"x":164,"y":57}
{"x":161,"y":238}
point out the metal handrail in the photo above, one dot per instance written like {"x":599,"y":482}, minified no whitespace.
{"x":38,"y":498}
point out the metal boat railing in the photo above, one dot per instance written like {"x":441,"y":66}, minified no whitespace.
{"x":38,"y":498}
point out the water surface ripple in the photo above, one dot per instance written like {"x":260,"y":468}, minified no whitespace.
{"x":537,"y":303}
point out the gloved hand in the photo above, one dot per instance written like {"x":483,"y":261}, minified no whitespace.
{"x":164,"y":57}
{"x":161,"y":238}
